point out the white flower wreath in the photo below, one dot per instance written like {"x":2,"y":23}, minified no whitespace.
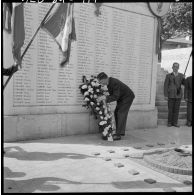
{"x":91,"y":89}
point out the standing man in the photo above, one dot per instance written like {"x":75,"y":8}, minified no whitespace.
{"x":188,"y":99}
{"x":123,"y":95}
{"x":173,"y":93}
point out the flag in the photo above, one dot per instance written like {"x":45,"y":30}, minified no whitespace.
{"x":13,"y":22}
{"x":158,"y":40}
{"x":61,"y":26}
{"x":7,"y":12}
{"x":18,"y":34}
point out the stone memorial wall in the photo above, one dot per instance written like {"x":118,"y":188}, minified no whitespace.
{"x":120,"y":42}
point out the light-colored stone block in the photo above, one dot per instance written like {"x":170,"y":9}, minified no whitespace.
{"x":96,"y":153}
{"x":27,"y":127}
{"x":77,"y":123}
{"x":149,"y":145}
{"x":169,"y":190}
{"x":111,"y":151}
{"x":137,"y":147}
{"x":187,"y":182}
{"x":9,"y":130}
{"x":23,"y":127}
{"x":64,"y":124}
{"x":107,"y":159}
{"x":38,"y":126}
{"x":142,"y":119}
{"x":119,"y":165}
{"x":93,"y":124}
{"x":133,"y":172}
{"x":150,"y":181}
{"x":126,"y":155}
{"x":49,"y":125}
{"x":125,"y":149}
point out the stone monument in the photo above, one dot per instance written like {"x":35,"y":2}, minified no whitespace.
{"x":42,"y":100}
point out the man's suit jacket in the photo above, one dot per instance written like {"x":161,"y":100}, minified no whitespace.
{"x":119,"y":91}
{"x":188,"y":89}
{"x":172,"y":85}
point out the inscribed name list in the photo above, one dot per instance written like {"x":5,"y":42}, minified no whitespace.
{"x":118,"y":42}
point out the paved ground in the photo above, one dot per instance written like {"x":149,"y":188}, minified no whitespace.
{"x":68,"y":164}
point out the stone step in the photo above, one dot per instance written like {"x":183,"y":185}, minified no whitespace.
{"x":165,"y":108}
{"x":164,"y":103}
{"x":181,"y":122}
{"x":164,"y":115}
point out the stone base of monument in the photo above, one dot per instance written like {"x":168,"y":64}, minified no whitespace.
{"x":172,"y":161}
{"x":41,"y":126}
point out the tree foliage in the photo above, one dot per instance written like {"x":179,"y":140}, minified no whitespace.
{"x":177,"y":22}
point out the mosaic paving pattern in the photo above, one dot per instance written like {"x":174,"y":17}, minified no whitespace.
{"x":178,"y":177}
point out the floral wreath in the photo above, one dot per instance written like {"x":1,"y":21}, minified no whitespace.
{"x":91,"y":90}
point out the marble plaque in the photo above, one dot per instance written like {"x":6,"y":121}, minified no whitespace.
{"x":119,"y":42}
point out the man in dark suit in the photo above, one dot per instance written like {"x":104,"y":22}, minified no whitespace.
{"x":123,"y":95}
{"x":188,"y":99}
{"x":173,"y":93}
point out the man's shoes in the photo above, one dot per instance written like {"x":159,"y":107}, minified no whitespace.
{"x":189,"y":124}
{"x":116,"y":137}
{"x":169,"y":125}
{"x":176,"y":125}
{"x":123,"y":134}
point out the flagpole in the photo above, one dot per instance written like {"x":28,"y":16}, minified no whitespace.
{"x":188,"y":63}
{"x":30,"y":43}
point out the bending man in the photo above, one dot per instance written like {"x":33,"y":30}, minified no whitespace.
{"x":124,"y":97}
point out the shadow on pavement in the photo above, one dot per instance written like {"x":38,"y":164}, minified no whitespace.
{"x":142,"y":184}
{"x":8,"y":173}
{"x":21,"y":154}
{"x":51,"y":184}
{"x":31,"y":185}
{"x":89,"y":139}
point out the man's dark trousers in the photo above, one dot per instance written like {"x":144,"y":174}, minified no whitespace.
{"x":173,"y":110}
{"x":188,"y":96}
{"x":189,"y":111}
{"x":120,"y":114}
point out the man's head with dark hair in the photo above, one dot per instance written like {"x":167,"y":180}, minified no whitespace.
{"x":103,"y":78}
{"x":175,"y":67}
{"x":102,"y":75}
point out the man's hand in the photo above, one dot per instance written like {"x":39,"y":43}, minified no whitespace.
{"x":101,"y":98}
{"x":166,"y":98}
